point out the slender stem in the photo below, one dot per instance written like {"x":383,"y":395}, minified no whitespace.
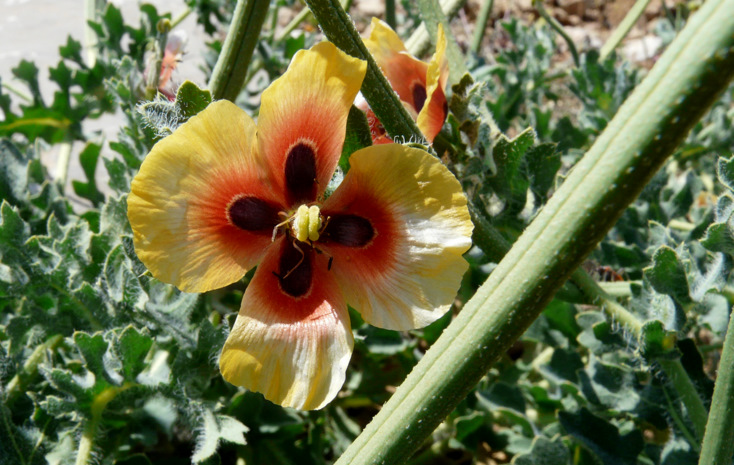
{"x":618,"y":289}
{"x":90,"y":37}
{"x":481,"y":25}
{"x":599,"y":297}
{"x":295,"y":22}
{"x":623,"y":28}
{"x":244,"y":32}
{"x":433,"y":16}
{"x":681,"y":225}
{"x":18,"y":92}
{"x":300,"y":17}
{"x":682,"y":426}
{"x":689,"y":76}
{"x":688,"y":396}
{"x":30,"y":368}
{"x":86,"y":442}
{"x":420,"y":42}
{"x":62,"y":164}
{"x":390,"y":13}
{"x":672,"y":367}
{"x":339,"y":29}
{"x":718,"y":441}
{"x":182,"y":16}
{"x":559,"y":29}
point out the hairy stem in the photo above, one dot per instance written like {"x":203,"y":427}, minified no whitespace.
{"x":244,"y":31}
{"x":718,"y":440}
{"x":339,"y":29}
{"x":682,"y":85}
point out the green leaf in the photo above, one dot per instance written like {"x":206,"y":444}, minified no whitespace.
{"x":667,"y":275}
{"x":216,"y":428}
{"x":123,"y":286}
{"x":190,"y":100}
{"x":132,"y":348}
{"x":544,"y":451}
{"x":93,"y":349}
{"x":655,"y":341}
{"x":602,"y":438}
{"x":358,"y":136}
{"x":719,"y":238}
{"x":543,"y":162}
{"x":725,"y":172}
{"x":13,"y":173}
{"x":88,"y":159}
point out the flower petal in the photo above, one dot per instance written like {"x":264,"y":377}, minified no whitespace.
{"x":294,"y":350}
{"x":192,"y":188}
{"x":433,"y":114}
{"x":303,"y":117}
{"x":407,"y":74}
{"x":405,"y":273}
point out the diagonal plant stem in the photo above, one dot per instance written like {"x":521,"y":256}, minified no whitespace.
{"x":673,"y":368}
{"x":683,"y":84}
{"x":538,"y":4}
{"x":432,"y":17}
{"x":718,"y":440}
{"x":339,"y":29}
{"x":481,"y":26}
{"x":244,"y":32}
{"x":623,"y":28}
{"x":419,"y":42}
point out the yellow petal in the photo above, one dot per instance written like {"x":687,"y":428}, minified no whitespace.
{"x":406,"y":74}
{"x":294,"y":350}
{"x":303,"y":117}
{"x":178,"y":204}
{"x":405,"y":274}
{"x":433,"y":114}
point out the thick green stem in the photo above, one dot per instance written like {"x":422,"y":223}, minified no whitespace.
{"x":683,"y":84}
{"x":244,"y":32}
{"x":623,"y":28}
{"x":481,"y":25}
{"x":339,"y":29}
{"x":559,"y":29}
{"x":420,"y":42}
{"x":718,"y":441}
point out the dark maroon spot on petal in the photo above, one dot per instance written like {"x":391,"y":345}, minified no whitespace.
{"x":419,"y":97}
{"x":300,"y":173}
{"x":253,"y":214}
{"x":349,"y":230}
{"x":294,"y":271}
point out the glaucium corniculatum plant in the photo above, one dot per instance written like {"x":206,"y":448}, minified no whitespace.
{"x":222,"y":194}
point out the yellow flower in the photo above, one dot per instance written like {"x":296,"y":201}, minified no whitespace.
{"x":221,"y":195}
{"x":419,"y":85}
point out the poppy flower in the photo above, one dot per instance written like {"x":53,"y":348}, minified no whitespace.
{"x":222,"y":194}
{"x":419,"y":85}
